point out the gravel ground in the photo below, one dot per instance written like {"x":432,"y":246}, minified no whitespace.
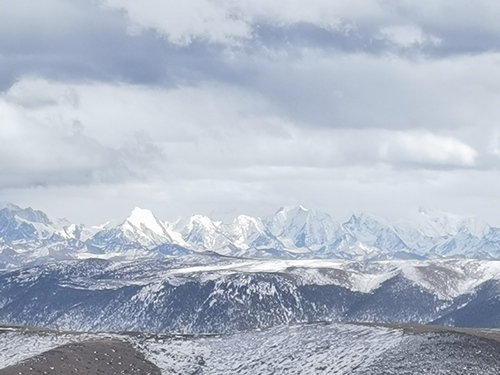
{"x":302,"y":349}
{"x":90,"y":357}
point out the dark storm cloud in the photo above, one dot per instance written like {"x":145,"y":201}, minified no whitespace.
{"x":94,"y":43}
{"x":313,"y":36}
{"x":86,"y":40}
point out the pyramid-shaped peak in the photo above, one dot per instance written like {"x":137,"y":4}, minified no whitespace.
{"x":140,"y":218}
{"x":141,"y":214}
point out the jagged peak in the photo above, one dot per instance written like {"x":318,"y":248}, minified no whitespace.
{"x":202,"y":219}
{"x":363,"y":217}
{"x":196,"y":220}
{"x":289,"y":211}
{"x":32,"y":215}
{"x":245,"y":219}
{"x":359,"y":216}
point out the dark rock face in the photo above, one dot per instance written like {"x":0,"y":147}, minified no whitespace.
{"x":397,"y":300}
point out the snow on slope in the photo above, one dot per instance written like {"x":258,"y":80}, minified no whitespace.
{"x":435,"y":223}
{"x":201,"y":233}
{"x":18,"y":224}
{"x":299,"y":227}
{"x":301,"y":349}
{"x":304,"y":349}
{"x":333,"y":348}
{"x":447,"y":278}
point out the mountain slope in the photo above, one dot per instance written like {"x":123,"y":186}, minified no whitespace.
{"x":305,"y":349}
{"x":194,"y":294}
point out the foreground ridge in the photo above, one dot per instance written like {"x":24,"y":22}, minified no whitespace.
{"x":308,"y":349}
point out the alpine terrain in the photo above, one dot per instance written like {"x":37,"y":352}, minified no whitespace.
{"x":323,"y":296}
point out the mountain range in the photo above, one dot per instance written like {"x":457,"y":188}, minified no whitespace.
{"x":198,"y":275}
{"x":29,"y":236}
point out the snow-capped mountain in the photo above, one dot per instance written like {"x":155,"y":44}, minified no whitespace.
{"x":28,"y":236}
{"x":435,"y":223}
{"x":247,"y":232}
{"x":300,"y":228}
{"x":201,"y":233}
{"x":140,"y":230}
{"x":18,"y":225}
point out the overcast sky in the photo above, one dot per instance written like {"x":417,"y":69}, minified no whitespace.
{"x":222,"y":107}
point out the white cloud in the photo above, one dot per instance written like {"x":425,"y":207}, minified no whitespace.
{"x":191,"y":132}
{"x":181,"y":22}
{"x":228,"y":22}
{"x":427,"y":148}
{"x":41,"y":146}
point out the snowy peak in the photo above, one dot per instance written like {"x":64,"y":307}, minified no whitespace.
{"x":365,"y":224}
{"x":247,"y":224}
{"x":140,"y":230}
{"x":249,"y":232}
{"x":27,"y":224}
{"x":200,"y":232}
{"x":144,"y":220}
{"x":302,"y":228}
{"x":201,"y":221}
{"x":435,"y":223}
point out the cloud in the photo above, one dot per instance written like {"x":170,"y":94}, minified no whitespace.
{"x":210,"y":105}
{"x":437,"y":28}
{"x":427,"y":148}
{"x":90,"y":42}
{"x":92,"y":133}
{"x":52,"y":151}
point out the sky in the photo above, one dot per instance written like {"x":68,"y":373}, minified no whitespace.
{"x":223,"y":107}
